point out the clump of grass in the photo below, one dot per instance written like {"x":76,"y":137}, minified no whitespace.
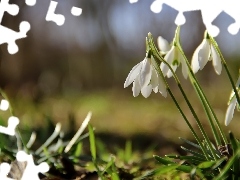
{"x":80,"y":157}
{"x":205,"y":159}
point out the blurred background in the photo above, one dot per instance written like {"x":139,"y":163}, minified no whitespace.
{"x":65,"y":71}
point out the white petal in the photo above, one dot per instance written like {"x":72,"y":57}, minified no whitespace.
{"x":146,"y":91}
{"x":169,"y":73}
{"x":195,"y":62}
{"x":136,"y":87}
{"x":162,"y":87}
{"x":184,"y":66}
{"x":204,"y":53}
{"x":230,"y":111}
{"x":133,"y":74}
{"x":155,"y":89}
{"x":163,"y":44}
{"x":154,"y":78}
{"x":169,"y":58}
{"x":145,"y":73}
{"x":217,"y":64}
{"x":200,"y":56}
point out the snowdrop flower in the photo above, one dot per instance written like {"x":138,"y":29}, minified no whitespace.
{"x":231,"y":105}
{"x":163,"y":45}
{"x":206,"y":52}
{"x":174,"y":58}
{"x":145,"y":78}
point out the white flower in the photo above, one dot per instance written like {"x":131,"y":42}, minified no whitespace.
{"x":174,"y":58}
{"x":163,"y":44}
{"x":206,"y":52}
{"x":231,"y":105}
{"x":145,"y":79}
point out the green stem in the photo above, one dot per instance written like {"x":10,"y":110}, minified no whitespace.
{"x":226,"y":68}
{"x":157,"y":55}
{"x":204,"y":150}
{"x":155,"y":52}
{"x":206,"y":105}
{"x":209,"y":112}
{"x":198,"y":122}
{"x":213,"y":114}
{"x":188,"y":123}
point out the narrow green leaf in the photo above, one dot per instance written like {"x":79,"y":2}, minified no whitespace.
{"x":166,"y":169}
{"x":159,"y":171}
{"x":163,"y":160}
{"x":206,"y":164}
{"x":194,"y":153}
{"x":190,"y":143}
{"x":228,"y":166}
{"x":128,"y":151}
{"x":234,"y":142}
{"x":188,"y":169}
{"x":78,"y":150}
{"x":92,"y":142}
{"x":109,"y":164}
{"x":235,"y":146}
{"x":219,"y":162}
{"x":185,"y":168}
{"x":114,"y":176}
{"x":192,"y":159}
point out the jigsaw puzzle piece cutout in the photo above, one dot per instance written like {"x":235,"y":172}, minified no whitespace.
{"x":208,"y":13}
{"x":30,"y":2}
{"x":180,"y":19}
{"x":156,"y":7}
{"x":4,"y":170}
{"x":12,"y":124}
{"x":31,"y":171}
{"x":9,"y":36}
{"x":59,"y":19}
{"x":133,"y":1}
{"x":4,"y":105}
{"x":232,"y":9}
{"x":12,"y":9}
{"x":76,"y":11}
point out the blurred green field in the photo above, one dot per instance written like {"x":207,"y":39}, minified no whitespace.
{"x":130,"y":130}
{"x":118,"y":112}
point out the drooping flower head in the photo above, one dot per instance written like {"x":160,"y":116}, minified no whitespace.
{"x":163,"y":45}
{"x":145,"y":78}
{"x":232,"y":103}
{"x":173,"y":57}
{"x":206,"y":52}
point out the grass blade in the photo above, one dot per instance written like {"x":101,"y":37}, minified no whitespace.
{"x":190,"y":143}
{"x":92,"y":142}
{"x":234,"y":144}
